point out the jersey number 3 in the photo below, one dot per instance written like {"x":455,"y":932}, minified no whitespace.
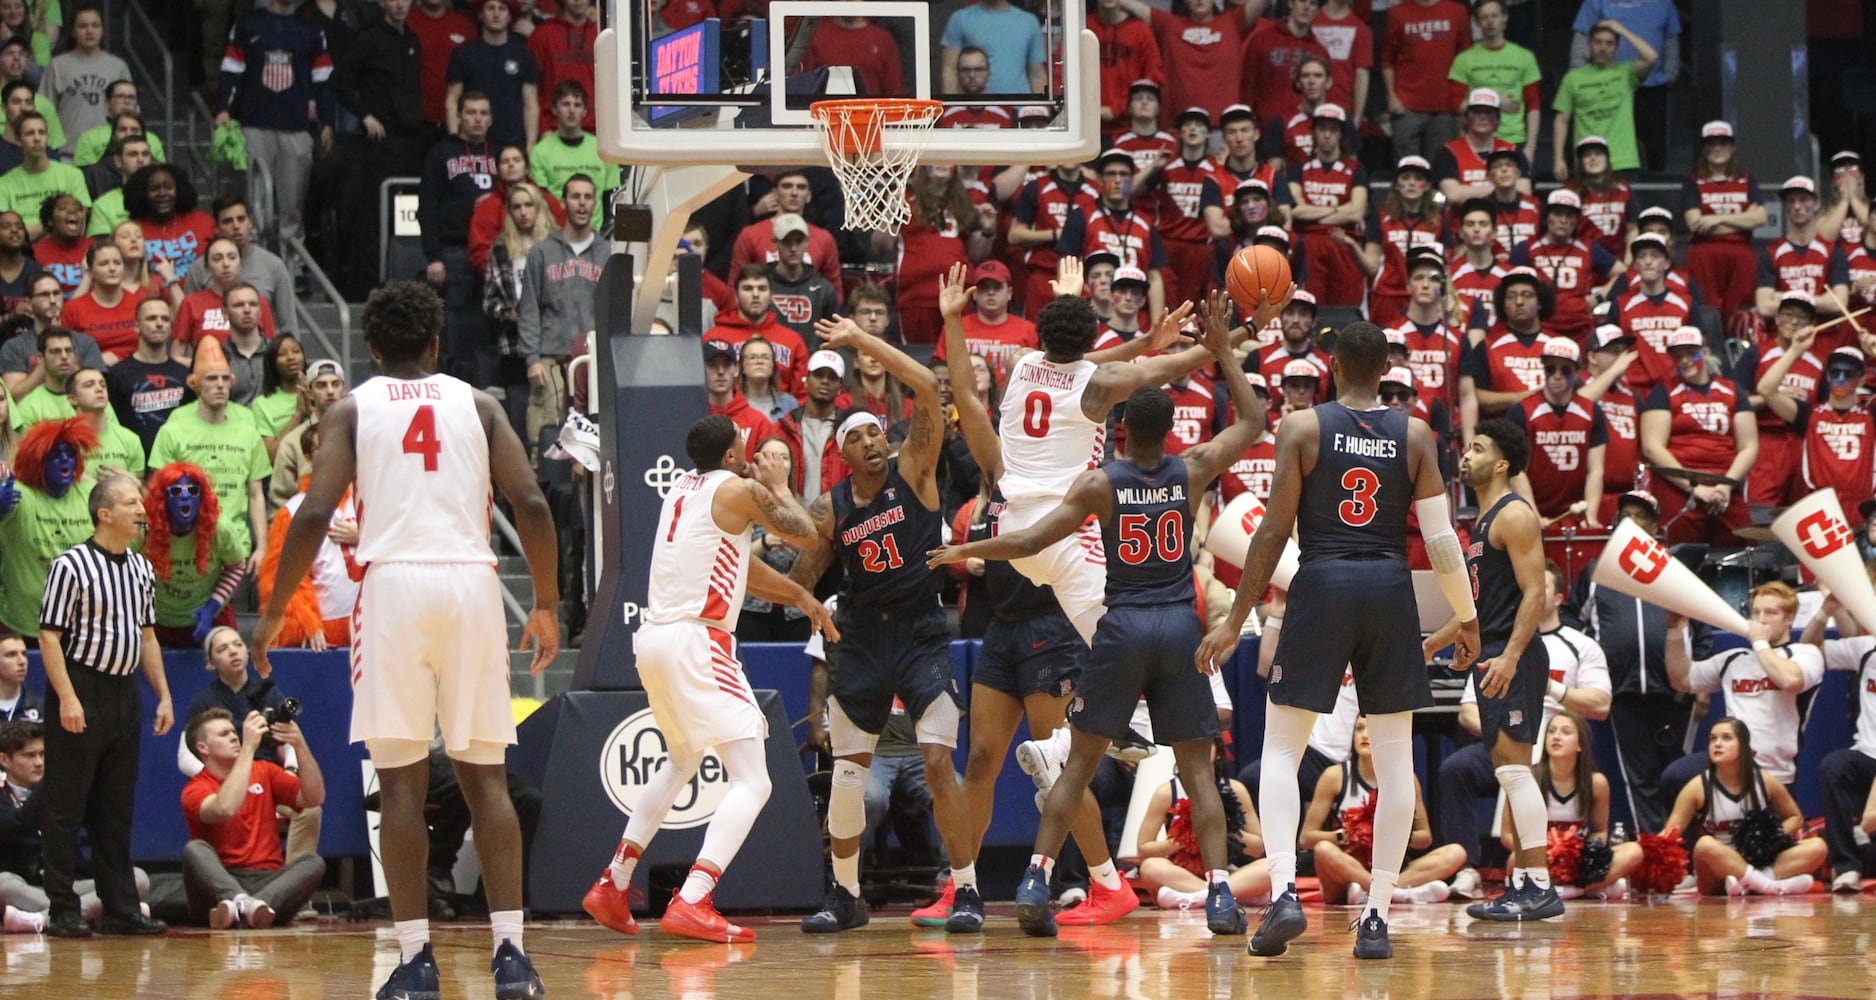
{"x":420,"y":437}
{"x":1359,"y":508}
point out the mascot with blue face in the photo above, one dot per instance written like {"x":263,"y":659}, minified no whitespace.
{"x":43,"y":512}
{"x":197,"y":566}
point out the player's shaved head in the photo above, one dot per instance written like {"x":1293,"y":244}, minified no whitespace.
{"x":707,"y":441}
{"x":1149,"y":415}
{"x":1067,"y":326}
{"x":1361,"y":353}
{"x":1509,"y":441}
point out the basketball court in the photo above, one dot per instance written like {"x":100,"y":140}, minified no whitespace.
{"x":1810,"y":946}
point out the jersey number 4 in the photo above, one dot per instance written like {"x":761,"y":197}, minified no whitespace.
{"x":420,"y":437}
{"x":1167,"y":539}
{"x":1359,"y":508}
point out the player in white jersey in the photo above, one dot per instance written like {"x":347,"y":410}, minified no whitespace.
{"x":1054,"y":419}
{"x":428,"y":646}
{"x":687,"y":662}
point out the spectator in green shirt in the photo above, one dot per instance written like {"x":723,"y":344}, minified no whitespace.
{"x":223,"y":438}
{"x":127,"y":156}
{"x":24,"y":188}
{"x":119,"y":447}
{"x":570,"y":150}
{"x":120,"y":101}
{"x":1598,"y":97}
{"x":1505,"y":66}
{"x":13,"y":63}
{"x":49,"y":400}
{"x":42,"y":513}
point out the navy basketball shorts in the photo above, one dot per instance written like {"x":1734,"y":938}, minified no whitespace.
{"x":1519,"y":711}
{"x":1354,"y":613}
{"x":1146,"y":651}
{"x":1039,"y":655}
{"x":883,"y":656}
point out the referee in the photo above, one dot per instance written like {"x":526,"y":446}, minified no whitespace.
{"x":96,"y":627}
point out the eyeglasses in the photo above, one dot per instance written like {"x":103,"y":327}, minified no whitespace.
{"x":1560,"y":369}
{"x":183,"y":490}
{"x":1397,"y":395}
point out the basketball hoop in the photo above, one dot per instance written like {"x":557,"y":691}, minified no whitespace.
{"x":873,"y":173}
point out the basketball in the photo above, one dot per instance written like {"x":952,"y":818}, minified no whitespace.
{"x":1254,"y":268}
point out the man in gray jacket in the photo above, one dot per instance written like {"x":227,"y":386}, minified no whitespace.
{"x":557,"y":303}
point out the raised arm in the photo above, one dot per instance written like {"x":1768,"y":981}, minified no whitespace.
{"x":1090,"y":496}
{"x":816,"y":556}
{"x":1768,"y":389}
{"x":918,"y":456}
{"x":1113,"y":383}
{"x":1204,"y":462}
{"x":765,"y":499}
{"x":980,"y":435}
{"x":1296,"y":436}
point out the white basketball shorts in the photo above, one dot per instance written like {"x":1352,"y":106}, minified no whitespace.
{"x":1076,"y":566}
{"x":429,"y":651}
{"x":696,"y":686}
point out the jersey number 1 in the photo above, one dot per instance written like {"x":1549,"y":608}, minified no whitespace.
{"x":420,"y":437}
{"x":1359,"y":508}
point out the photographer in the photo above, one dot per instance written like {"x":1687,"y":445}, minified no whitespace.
{"x":237,"y":692}
{"x":232,"y":868}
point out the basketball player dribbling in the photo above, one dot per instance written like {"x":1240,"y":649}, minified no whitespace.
{"x":429,"y":647}
{"x":1346,"y":471}
{"x":687,"y":661}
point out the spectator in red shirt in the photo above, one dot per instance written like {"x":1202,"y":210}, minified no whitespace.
{"x":867,"y":48}
{"x":721,"y":374}
{"x":1350,"y":44}
{"x":1417,"y":50}
{"x":1201,"y":52}
{"x":1721,"y":206}
{"x":439,"y":28}
{"x":233,"y":868}
{"x":562,"y":47}
{"x":1460,"y":164}
{"x":1288,"y":141}
{"x":945,"y":229}
{"x":1129,"y":52}
{"x":1331,"y":195}
{"x":1839,"y":434}
{"x":756,"y":243}
{"x":990,"y":331}
{"x":1705,"y":423}
{"x":754,"y":316}
{"x":1271,"y":54}
{"x":1505,"y":363}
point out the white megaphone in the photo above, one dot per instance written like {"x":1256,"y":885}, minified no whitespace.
{"x":1816,"y":530}
{"x":1642,"y":568}
{"x":1230,"y":538}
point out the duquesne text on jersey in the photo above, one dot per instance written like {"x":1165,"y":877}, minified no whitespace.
{"x":872,"y":524}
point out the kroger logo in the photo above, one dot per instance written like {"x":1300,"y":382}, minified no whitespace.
{"x":635,"y":751}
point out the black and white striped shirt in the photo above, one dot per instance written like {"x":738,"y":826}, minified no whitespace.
{"x":100,"y":602}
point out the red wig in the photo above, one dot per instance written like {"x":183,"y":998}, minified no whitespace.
{"x":156,"y":508}
{"x":29,"y":463}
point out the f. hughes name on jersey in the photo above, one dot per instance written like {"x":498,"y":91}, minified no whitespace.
{"x":1365,"y":447}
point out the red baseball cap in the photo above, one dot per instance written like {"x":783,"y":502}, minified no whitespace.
{"x":990,"y":270}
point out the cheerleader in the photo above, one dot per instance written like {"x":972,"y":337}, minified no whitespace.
{"x":1737,"y":804}
{"x":1576,"y":795}
{"x":1169,"y":857}
{"x":1340,"y":830}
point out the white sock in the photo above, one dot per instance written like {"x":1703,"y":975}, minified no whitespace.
{"x":1215,"y":876}
{"x":1046,"y":863}
{"x":1760,"y":880}
{"x":847,"y":873}
{"x":1173,"y":899}
{"x":1105,"y":876}
{"x":1540,"y":877}
{"x":700,"y":882}
{"x":506,"y":926}
{"x":624,"y":863}
{"x":1286,"y":734}
{"x":964,"y":876}
{"x":1381,"y":892}
{"x":411,"y":935}
{"x":1391,"y":737}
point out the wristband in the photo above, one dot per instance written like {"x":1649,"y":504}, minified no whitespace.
{"x":1557,"y":690}
{"x":1761,"y":645}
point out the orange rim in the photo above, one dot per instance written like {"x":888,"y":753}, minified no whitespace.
{"x":854,"y":125}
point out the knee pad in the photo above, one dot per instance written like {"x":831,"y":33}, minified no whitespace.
{"x":846,"y":803}
{"x":844,"y":736}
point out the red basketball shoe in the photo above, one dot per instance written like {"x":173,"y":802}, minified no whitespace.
{"x":701,"y":920}
{"x":1104,"y":906}
{"x":610,"y":905}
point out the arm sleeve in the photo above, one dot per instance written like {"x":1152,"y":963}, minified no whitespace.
{"x":1443,"y":550}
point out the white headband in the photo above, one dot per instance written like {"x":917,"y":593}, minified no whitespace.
{"x":854,"y":423}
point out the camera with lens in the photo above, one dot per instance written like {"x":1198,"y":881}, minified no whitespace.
{"x":286,"y":711}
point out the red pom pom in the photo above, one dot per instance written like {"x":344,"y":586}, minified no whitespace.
{"x":1564,"y":852}
{"x":1664,"y":863}
{"x":1179,"y":831}
{"x":1358,"y":831}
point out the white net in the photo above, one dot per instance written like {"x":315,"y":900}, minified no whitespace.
{"x":872,"y":171}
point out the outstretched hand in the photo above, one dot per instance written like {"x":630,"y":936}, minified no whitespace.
{"x":945,"y":555}
{"x":1173,"y":324}
{"x":954,"y":293}
{"x":821,"y":618}
{"x":1068,"y":279}
{"x":1221,"y":315}
{"x":1220,"y":644}
{"x":1266,"y":311}
{"x":839,"y":331}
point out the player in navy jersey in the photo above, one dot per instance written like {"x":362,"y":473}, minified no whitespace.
{"x":1346,"y":473}
{"x":1506,"y":559}
{"x":1145,"y":502}
{"x":897,"y":637}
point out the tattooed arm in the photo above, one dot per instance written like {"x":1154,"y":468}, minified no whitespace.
{"x":918,"y":456}
{"x":817,"y":553}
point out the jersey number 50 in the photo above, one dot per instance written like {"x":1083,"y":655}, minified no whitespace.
{"x":1137,"y":544}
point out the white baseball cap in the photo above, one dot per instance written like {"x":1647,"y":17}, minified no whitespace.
{"x":1717,"y":130}
{"x":828,"y":359}
{"x":1609,"y":333}
{"x":1686,"y":336}
{"x":1564,"y":349}
{"x":1399,"y":375}
{"x":1300,"y":369}
{"x":1564,"y":198}
{"x":1484,"y":97}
